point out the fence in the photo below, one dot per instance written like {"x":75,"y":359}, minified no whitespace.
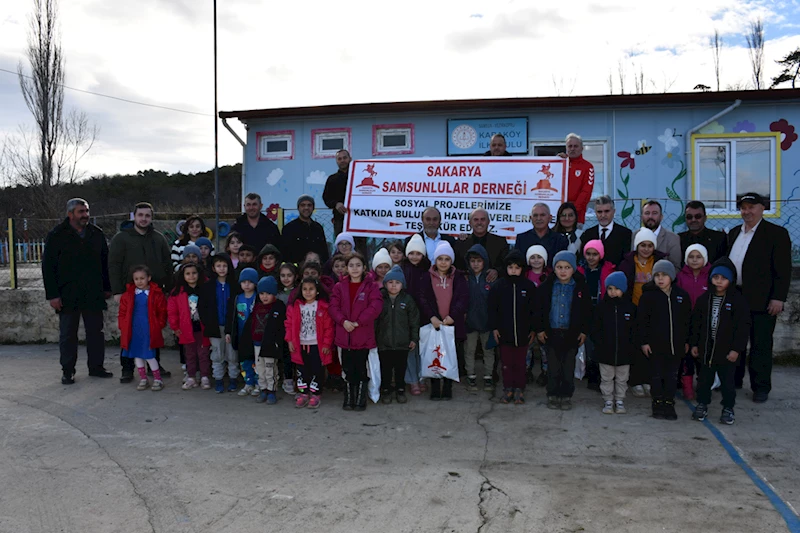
{"x":28,"y":237}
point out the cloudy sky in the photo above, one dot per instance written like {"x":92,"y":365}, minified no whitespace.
{"x":277,"y":54}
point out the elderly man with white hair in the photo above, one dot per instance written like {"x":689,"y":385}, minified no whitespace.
{"x":541,"y":234}
{"x":495,"y":245}
{"x":581,"y":176}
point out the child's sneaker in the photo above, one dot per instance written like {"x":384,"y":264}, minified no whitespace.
{"x":415,"y":390}
{"x":638,"y":391}
{"x":272,"y":398}
{"x":700,"y":412}
{"x":233,"y":385}
{"x":246,"y":390}
{"x":142,"y":384}
{"x":157,"y":385}
{"x":189,"y":384}
{"x":472,"y":383}
{"x":205,"y":383}
{"x":646,"y":389}
{"x":301,"y":400}
{"x":386,"y":396}
{"x":553,"y":402}
{"x":400,"y":396}
{"x":727,"y":416}
{"x":314,"y":401}
{"x":508,"y":396}
{"x":262,"y":397}
{"x":519,"y":397}
{"x":219,"y":386}
{"x":288,"y":386}
{"x":608,"y":407}
{"x":669,"y":410}
{"x":488,"y":384}
{"x":619,"y":408}
{"x":255,"y":391}
{"x":566,"y":404}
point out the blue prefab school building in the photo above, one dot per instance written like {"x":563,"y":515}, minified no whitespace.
{"x":675,"y":147}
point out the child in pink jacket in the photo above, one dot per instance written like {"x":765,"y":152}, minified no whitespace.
{"x":693,"y":278}
{"x":184,"y":320}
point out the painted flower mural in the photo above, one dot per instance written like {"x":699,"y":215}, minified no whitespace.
{"x":673,"y":157}
{"x":788,"y":135}
{"x":272,"y":212}
{"x":744,"y":126}
{"x":628,"y":159}
{"x":669,"y":140}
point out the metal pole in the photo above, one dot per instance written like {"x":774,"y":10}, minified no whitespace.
{"x":12,"y":255}
{"x":216,"y":136}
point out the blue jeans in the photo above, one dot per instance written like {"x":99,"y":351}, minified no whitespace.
{"x":413,"y":366}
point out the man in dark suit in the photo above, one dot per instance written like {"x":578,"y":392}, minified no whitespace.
{"x":616,"y":239}
{"x":762,"y":254}
{"x":541,"y":233}
{"x":716,"y":242}
{"x":431,"y":236}
{"x":496,"y":246}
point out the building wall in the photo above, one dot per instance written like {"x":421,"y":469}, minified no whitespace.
{"x":657,"y":172}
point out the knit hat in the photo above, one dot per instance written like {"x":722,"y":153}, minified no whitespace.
{"x":665,"y":267}
{"x":306,"y":198}
{"x":642,"y":235}
{"x":267,"y":284}
{"x":191,"y":249}
{"x":618,"y":280}
{"x":536,"y":249}
{"x":395,"y":274}
{"x":345,"y":237}
{"x":722,"y":270}
{"x":565,"y":255}
{"x":381,"y":257}
{"x":696,"y":248}
{"x":444,"y":248}
{"x":204,"y":241}
{"x":596,"y":244}
{"x":249,"y":274}
{"x":514,"y":257}
{"x":416,"y":244}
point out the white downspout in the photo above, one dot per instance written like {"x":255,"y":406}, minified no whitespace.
{"x":244,"y":153}
{"x":736,"y":103}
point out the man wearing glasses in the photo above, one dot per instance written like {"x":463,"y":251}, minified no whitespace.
{"x":714,"y":241}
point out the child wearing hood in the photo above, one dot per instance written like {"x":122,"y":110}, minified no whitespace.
{"x":693,"y":278}
{"x":478,"y":329}
{"x":268,"y":262}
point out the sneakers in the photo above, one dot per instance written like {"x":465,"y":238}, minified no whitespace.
{"x":233,"y":385}
{"x":658,"y":409}
{"x":400,"y":396}
{"x":157,"y":385}
{"x":68,"y":377}
{"x":255,"y":391}
{"x":646,"y":389}
{"x":760,"y":397}
{"x":205,"y":384}
{"x":301,"y":400}
{"x":219,"y":386}
{"x":700,"y":412}
{"x":688,"y":388}
{"x":189,"y":384}
{"x":508,"y":396}
{"x":519,"y":397}
{"x":488,"y":384}
{"x":247,"y":390}
{"x":608,"y":407}
{"x":638,"y":391}
{"x":415,"y":390}
{"x":727,"y":416}
{"x":272,"y":398}
{"x":262,"y":397}
{"x":314,"y":401}
{"x":143,"y":384}
{"x":288,"y":386}
{"x":669,"y":410}
{"x":472,"y":383}
{"x":386,"y":396}
{"x":566,"y":404}
{"x":619,"y":407}
{"x":553,"y":402}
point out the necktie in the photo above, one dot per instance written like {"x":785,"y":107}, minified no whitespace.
{"x":603,"y":235}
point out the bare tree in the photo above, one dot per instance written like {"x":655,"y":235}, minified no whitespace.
{"x":716,"y":48}
{"x":621,"y":74}
{"x":558,"y":85}
{"x":755,"y":45}
{"x":610,"y":82}
{"x":638,"y":81}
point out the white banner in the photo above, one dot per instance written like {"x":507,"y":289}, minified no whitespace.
{"x":387,"y":196}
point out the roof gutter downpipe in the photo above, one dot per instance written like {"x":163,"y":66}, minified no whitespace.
{"x":244,"y":153}
{"x":692,"y":131}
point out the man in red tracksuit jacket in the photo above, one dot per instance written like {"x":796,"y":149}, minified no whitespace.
{"x":581,"y":176}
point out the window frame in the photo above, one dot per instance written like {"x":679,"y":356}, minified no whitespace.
{"x":320,"y":134}
{"x":729,"y":140}
{"x":263,"y":136}
{"x":381,"y":130}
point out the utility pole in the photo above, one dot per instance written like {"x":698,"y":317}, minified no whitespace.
{"x":216,"y":136}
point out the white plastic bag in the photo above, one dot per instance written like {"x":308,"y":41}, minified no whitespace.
{"x":374,"y":373}
{"x":580,"y":362}
{"x":437,"y":350}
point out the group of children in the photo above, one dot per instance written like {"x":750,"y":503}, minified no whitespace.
{"x":323,"y":320}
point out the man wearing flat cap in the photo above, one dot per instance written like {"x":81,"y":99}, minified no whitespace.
{"x":303,"y":235}
{"x":762,"y":254}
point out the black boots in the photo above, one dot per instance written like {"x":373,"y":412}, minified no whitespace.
{"x":447,"y":389}
{"x":658,"y":409}
{"x":349,"y":390}
{"x":664,"y":410}
{"x":436,"y":389}
{"x":361,"y":398}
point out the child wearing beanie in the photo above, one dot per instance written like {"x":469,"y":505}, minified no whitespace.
{"x":720,"y":331}
{"x":448,"y":306}
{"x":693,"y":278}
{"x":664,"y":318}
{"x":267,"y":333}
{"x":415,"y":268}
{"x":397,"y":332}
{"x":536,"y":259}
{"x":238,"y":328}
{"x":614,"y":336}
{"x":563,"y":324}
{"x":381,"y":263}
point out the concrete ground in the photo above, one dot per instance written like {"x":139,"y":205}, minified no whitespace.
{"x":99,"y":456}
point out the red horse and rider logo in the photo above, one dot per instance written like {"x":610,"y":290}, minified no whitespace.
{"x":544,"y":183}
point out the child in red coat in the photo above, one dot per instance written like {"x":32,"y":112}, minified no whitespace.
{"x":309,"y":334}
{"x":184,"y":320}
{"x":142,"y":316}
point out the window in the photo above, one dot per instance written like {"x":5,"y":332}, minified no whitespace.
{"x":593,"y":151}
{"x":326,"y":142}
{"x":392,"y":139}
{"x":275,"y":145}
{"x":728,"y":166}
